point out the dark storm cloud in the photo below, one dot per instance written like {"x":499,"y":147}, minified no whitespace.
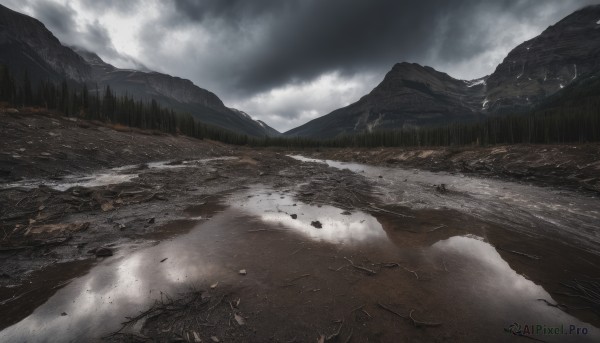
{"x":288,"y":61}
{"x":300,"y":39}
{"x":123,"y":6}
{"x":58,"y":18}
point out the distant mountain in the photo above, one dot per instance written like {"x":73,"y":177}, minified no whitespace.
{"x":412,"y":95}
{"x":26,"y":45}
{"x":409,"y":95}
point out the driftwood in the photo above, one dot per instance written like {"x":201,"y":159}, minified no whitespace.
{"x":533,"y":257}
{"x":370,"y":271}
{"x":416,"y":323}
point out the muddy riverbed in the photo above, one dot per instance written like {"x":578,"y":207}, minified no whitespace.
{"x":241,"y":245}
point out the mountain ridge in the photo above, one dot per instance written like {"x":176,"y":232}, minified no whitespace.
{"x":26,"y":44}
{"x":412,"y":95}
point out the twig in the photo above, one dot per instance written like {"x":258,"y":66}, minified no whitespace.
{"x":390,"y":212}
{"x":437,"y":227}
{"x":349,"y":336}
{"x":337,"y":270}
{"x":557,"y":305}
{"x":415,"y":322}
{"x":335,"y":334}
{"x":533,"y":257}
{"x":259,"y":230}
{"x":214,"y":306}
{"x":299,"y":277}
{"x":411,"y":271}
{"x":370,"y":271}
{"x":419,"y":323}
{"x":357,"y":308}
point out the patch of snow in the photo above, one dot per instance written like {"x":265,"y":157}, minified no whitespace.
{"x":562,"y":86}
{"x":574,"y":77}
{"x":476,"y":82}
{"x":261,"y":124}
{"x":598,"y":22}
{"x":241,"y":113}
{"x":371,"y":126}
{"x":485,"y":102}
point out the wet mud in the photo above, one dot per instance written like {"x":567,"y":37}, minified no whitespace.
{"x":257,"y":246}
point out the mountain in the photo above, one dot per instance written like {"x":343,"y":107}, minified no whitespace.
{"x":409,"y":95}
{"x":412,"y":95}
{"x":26,"y":45}
{"x":174,"y":92}
{"x":547,"y":63}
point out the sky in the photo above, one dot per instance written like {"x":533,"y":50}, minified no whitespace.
{"x":287,"y":62}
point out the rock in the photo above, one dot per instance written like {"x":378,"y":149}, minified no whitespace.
{"x":107,"y":206}
{"x":239,"y":319}
{"x":294,"y":216}
{"x":316,"y":224}
{"x":103,"y":252}
{"x":346,"y":213}
{"x":63,"y":314}
{"x":151,"y":220}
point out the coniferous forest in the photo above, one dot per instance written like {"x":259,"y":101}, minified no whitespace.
{"x":570,"y":116}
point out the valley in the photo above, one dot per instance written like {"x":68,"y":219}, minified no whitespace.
{"x":248,"y":244}
{"x":405,"y":172}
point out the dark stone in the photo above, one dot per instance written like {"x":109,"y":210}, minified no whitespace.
{"x":103,"y":252}
{"x":316,"y":224}
{"x":294,"y":216}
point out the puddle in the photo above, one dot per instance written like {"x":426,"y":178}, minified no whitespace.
{"x":111,"y":176}
{"x":93,"y":180}
{"x":318,"y":222}
{"x":298,"y":277}
{"x":526,"y":208}
{"x":481,"y":278}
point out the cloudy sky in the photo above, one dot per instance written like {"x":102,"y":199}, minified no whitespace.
{"x":287,"y":62}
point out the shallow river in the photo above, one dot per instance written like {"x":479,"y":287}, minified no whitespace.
{"x":456,"y":277}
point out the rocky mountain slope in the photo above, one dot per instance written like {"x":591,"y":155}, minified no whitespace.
{"x":547,"y":63}
{"x":26,"y":44}
{"x":413,"y":95}
{"x":409,"y":95}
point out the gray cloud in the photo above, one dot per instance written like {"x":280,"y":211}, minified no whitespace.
{"x":299,"y":40}
{"x":58,"y":17}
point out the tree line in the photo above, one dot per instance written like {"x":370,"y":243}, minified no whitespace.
{"x":572,"y":115}
{"x":105,"y":105}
